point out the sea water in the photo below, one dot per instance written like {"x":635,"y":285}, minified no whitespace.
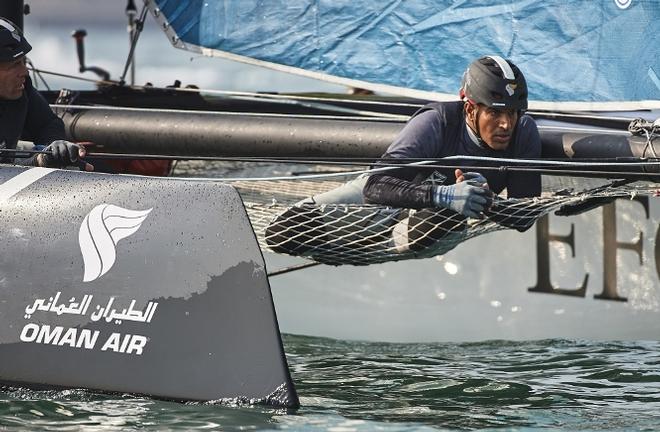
{"x":358,"y":386}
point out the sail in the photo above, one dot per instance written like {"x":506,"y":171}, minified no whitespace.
{"x":582,"y":50}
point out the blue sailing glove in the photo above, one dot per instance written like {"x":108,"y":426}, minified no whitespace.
{"x":469,"y":197}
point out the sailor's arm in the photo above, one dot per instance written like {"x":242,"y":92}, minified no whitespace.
{"x":42,"y":126}
{"x":394,"y":191}
{"x":402,"y":187}
{"x":45,"y":129}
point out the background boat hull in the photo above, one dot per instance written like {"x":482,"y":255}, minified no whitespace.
{"x":481,"y":289}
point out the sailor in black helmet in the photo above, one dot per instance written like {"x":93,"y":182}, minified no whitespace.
{"x":24,"y":113}
{"x":489,"y":120}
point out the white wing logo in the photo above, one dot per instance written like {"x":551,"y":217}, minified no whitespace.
{"x":100,"y":232}
{"x":623,"y":4}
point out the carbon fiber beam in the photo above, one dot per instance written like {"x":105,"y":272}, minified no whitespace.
{"x":214,"y":134}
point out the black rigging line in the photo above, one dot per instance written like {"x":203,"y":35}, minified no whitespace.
{"x":292,"y":268}
{"x":63,"y":75}
{"x":363,"y":161}
{"x":37,"y":75}
{"x":586,"y":169}
{"x":258,"y":95}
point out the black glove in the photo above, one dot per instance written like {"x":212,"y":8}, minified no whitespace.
{"x":61,"y":154}
{"x":519,"y":216}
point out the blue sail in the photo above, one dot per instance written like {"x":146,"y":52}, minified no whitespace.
{"x":579,"y":50}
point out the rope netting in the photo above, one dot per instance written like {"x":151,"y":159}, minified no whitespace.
{"x":360,"y":234}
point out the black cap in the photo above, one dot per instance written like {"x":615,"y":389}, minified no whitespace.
{"x":12,"y":43}
{"x":495,"y":82}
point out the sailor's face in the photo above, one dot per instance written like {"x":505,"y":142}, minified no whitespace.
{"x":496,"y":126}
{"x":12,"y":78}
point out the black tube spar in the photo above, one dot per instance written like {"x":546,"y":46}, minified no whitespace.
{"x":218,"y":134}
{"x":186,"y":133}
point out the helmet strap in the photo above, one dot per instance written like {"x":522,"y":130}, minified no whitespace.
{"x":475,"y":128}
{"x":476,"y":122}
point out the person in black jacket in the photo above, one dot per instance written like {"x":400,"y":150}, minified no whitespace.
{"x":25,"y":114}
{"x":489,"y":121}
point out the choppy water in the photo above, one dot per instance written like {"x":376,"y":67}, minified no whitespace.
{"x":345,"y":386}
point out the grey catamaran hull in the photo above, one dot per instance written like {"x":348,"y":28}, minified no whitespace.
{"x":139,"y":285}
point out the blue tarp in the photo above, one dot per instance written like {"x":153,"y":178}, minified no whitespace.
{"x":578,"y":50}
